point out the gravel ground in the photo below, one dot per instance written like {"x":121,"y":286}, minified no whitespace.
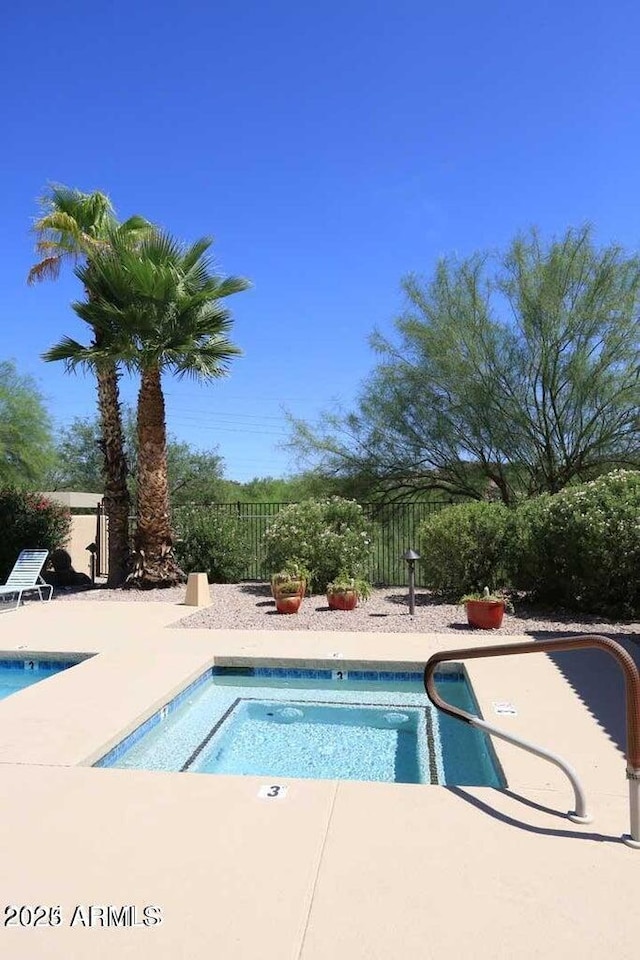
{"x":249,"y":606}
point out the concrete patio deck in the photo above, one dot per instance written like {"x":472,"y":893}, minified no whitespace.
{"x":343,"y":869}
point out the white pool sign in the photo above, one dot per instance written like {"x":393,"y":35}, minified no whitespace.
{"x":272,"y":791}
{"x":504,"y":709}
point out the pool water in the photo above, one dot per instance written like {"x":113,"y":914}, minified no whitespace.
{"x":318,"y":740}
{"x":320,"y":724}
{"x":17,"y":674}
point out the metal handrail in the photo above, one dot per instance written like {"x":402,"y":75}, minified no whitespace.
{"x":632,"y":691}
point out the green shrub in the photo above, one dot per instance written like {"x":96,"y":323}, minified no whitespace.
{"x":210,"y":542}
{"x":526,"y":561}
{"x":29,"y":521}
{"x":326,"y":536}
{"x":465,"y":548}
{"x":580,"y":548}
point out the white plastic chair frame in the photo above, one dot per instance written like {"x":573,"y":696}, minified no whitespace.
{"x":26,"y":577}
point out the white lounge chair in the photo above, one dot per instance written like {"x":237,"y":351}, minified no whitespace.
{"x":26,"y":577}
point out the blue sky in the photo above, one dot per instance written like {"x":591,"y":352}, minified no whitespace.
{"x":329,"y":147}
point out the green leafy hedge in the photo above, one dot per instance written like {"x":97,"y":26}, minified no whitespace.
{"x":578,"y":549}
{"x":29,"y":521}
{"x":210,"y":542}
{"x":581,"y":547}
{"x":465,"y":548}
{"x":329,"y":537}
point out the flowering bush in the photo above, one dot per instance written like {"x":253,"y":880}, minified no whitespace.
{"x":581,"y":547}
{"x":210,"y":542}
{"x":465,"y":547}
{"x":326,"y":536}
{"x":29,"y":521}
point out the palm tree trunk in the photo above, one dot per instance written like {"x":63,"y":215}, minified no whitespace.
{"x":116,"y":493}
{"x":156,"y":564}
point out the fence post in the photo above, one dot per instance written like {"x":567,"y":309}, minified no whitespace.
{"x":97,"y":565}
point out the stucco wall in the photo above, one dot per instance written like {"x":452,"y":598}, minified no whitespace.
{"x":74,"y":499}
{"x":83,"y":532}
{"x":83,"y":526}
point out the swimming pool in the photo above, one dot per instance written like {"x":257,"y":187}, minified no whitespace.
{"x":322,"y":724}
{"x":16,"y":674}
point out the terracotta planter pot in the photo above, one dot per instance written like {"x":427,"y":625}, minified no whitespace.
{"x":485,"y":614}
{"x":344,"y":600}
{"x":290,"y":604}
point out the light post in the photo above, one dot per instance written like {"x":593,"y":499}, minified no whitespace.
{"x":411,"y":556}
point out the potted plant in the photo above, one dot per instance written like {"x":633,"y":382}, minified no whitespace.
{"x":288,"y":587}
{"x":485,"y":610}
{"x":344,"y":592}
{"x":292,"y":571}
{"x":288,"y":598}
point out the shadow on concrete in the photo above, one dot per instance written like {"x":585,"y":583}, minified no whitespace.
{"x":596,"y":679}
{"x":576,"y":834}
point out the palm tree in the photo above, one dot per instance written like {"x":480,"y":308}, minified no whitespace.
{"x":75,"y":226}
{"x":155,"y":306}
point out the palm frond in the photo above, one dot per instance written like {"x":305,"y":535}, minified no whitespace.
{"x":99,"y":209}
{"x":76,"y":355}
{"x":46,"y":269}
{"x":230,"y":285}
{"x":91,"y":211}
{"x":194,"y":254}
{"x":46,"y":247}
{"x":72,"y":225}
{"x":152,"y":301}
{"x":68,"y":350}
{"x":209,"y":361}
{"x":136,"y":225}
{"x":58,"y":222}
{"x":160,"y":248}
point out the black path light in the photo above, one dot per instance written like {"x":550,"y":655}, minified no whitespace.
{"x":411,"y":556}
{"x":93,"y":549}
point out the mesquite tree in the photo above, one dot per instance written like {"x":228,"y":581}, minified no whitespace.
{"x":513,"y":374}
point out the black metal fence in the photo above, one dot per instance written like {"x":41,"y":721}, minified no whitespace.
{"x":395,"y":527}
{"x":253,"y":518}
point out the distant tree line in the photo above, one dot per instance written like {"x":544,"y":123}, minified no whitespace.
{"x":34,"y":456}
{"x":195,"y":476}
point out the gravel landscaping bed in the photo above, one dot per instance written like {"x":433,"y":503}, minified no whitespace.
{"x":249,"y":606}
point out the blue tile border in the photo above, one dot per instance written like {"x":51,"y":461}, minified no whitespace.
{"x":295,"y":673}
{"x":30,"y":664}
{"x":168,"y":708}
